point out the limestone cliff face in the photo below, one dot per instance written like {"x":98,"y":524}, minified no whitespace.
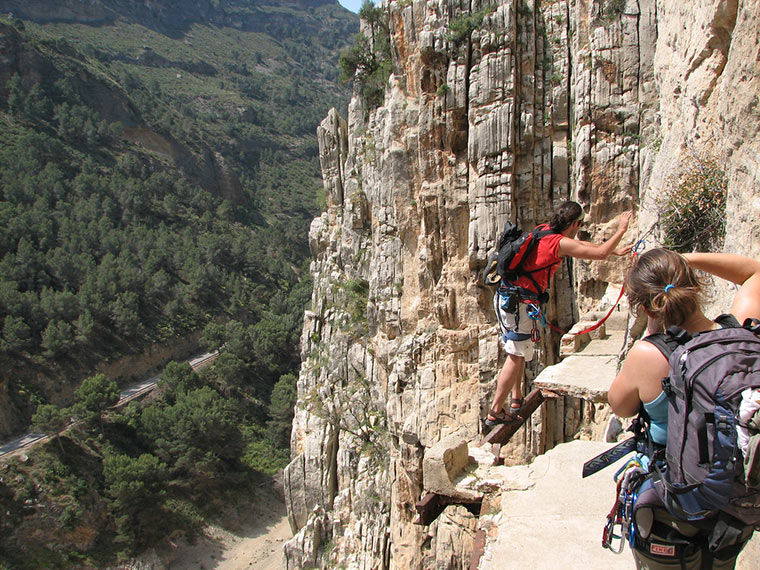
{"x":707,"y":79}
{"x":585,"y":99}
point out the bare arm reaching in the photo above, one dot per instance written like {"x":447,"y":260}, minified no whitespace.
{"x":739,"y":269}
{"x":587,"y":250}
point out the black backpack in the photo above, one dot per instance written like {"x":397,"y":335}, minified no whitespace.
{"x":514,"y":246}
{"x":704,"y":471}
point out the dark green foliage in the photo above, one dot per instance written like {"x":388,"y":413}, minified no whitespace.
{"x":230,"y":371}
{"x":613,"y":9}
{"x":371,"y":13}
{"x":96,"y":261}
{"x":94,"y":396}
{"x":136,"y":487}
{"x":57,"y":338}
{"x":357,"y":293}
{"x":50,"y":419}
{"x":280,"y":408}
{"x":17,"y":335}
{"x":107,"y":247}
{"x":157,"y":468}
{"x":368,"y":61}
{"x":263,"y":454}
{"x":462,"y":26}
{"x":178,"y":378}
{"x":195,"y":435}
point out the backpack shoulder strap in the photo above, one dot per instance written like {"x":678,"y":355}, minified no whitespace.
{"x":542,"y":230}
{"x":752,"y":325}
{"x":536,"y":234}
{"x":666,"y":343}
{"x":728,"y":321}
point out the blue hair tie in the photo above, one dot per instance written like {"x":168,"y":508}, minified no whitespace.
{"x":669,"y":287}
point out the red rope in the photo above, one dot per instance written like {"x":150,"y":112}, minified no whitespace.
{"x":614,"y":305}
{"x":639,"y":244}
{"x":594,"y":326}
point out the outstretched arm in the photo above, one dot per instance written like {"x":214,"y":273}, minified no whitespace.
{"x":743,"y":271}
{"x":587,"y":250}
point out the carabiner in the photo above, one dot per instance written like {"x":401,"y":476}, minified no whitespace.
{"x":609,"y":535}
{"x":632,"y":522}
{"x":535,"y":334}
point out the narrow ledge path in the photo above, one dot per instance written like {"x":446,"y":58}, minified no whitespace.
{"x":543,"y":515}
{"x":550,"y":517}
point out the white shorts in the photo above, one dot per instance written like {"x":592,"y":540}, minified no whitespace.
{"x":519,"y":323}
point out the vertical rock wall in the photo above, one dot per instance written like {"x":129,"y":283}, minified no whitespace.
{"x":607,"y":62}
{"x":707,"y":78}
{"x":542,"y":102}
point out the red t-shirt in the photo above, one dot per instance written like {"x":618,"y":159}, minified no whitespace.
{"x":545,"y":253}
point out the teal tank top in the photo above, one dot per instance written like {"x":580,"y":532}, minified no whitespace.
{"x":658,"y":414}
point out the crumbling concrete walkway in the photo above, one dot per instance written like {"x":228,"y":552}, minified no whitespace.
{"x":553,"y":518}
{"x":545,"y":515}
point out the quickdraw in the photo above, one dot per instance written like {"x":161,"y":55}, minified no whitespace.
{"x":614,"y":519}
{"x":628,"y":479}
{"x":534,"y":313}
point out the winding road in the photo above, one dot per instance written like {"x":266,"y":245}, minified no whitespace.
{"x":128,"y":394}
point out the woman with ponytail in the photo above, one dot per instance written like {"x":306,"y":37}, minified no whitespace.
{"x":664,"y":285}
{"x":514,"y":323}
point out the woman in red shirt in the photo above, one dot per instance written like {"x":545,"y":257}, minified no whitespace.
{"x":514,"y":323}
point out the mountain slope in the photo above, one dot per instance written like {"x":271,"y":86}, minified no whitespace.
{"x":159,"y":170}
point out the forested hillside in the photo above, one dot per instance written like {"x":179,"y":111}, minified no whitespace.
{"x":154,"y":179}
{"x":158,"y":172}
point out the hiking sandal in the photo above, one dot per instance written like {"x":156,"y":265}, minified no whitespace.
{"x":516,"y":405}
{"x":502,"y":417}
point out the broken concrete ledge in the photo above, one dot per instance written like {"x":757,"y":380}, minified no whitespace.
{"x":443,"y":464}
{"x":579,"y":377}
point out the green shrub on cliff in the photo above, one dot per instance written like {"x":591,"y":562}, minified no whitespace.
{"x":693,"y":208}
{"x":462,"y":26}
{"x":368,"y":61}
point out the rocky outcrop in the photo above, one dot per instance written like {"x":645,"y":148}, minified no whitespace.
{"x":539,"y":103}
{"x":707,"y":84}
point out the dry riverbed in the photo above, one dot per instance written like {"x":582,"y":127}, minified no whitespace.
{"x":252,"y":539}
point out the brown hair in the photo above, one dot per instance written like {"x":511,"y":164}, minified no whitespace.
{"x":565,"y":214}
{"x":652,"y":273}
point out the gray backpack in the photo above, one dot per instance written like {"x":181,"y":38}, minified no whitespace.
{"x":704,"y":470}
